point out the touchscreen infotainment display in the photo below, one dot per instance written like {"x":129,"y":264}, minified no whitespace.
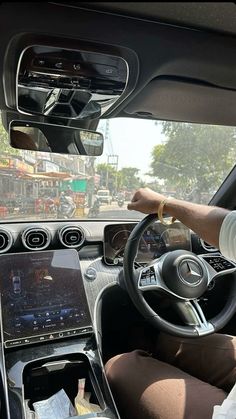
{"x":42,"y":293}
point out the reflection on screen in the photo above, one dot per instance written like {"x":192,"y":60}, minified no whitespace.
{"x":155,"y":241}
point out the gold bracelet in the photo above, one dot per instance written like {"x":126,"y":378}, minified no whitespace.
{"x":160,"y":212}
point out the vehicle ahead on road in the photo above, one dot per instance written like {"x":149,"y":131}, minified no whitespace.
{"x":104,"y":196}
{"x":120,"y":199}
{"x":94,"y":209}
{"x":159,"y":83}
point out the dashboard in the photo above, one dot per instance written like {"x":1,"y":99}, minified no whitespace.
{"x":53,"y":272}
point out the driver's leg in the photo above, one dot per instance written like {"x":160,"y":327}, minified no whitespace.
{"x":210,"y":358}
{"x":146,"y":388}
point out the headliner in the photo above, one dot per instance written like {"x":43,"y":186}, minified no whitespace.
{"x":171,"y":67}
{"x":214,"y":16}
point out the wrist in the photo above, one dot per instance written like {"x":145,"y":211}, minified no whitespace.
{"x":158,"y":200}
{"x":162,"y":208}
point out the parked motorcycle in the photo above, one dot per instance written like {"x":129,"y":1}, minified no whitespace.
{"x":66,"y":207}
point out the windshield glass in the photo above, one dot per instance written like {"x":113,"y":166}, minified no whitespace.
{"x":183,"y":160}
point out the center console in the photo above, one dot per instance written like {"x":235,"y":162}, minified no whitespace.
{"x":48,"y":342}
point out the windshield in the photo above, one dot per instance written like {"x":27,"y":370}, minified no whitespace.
{"x":183,"y":160}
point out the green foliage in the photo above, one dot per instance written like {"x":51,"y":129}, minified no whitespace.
{"x":5,"y":147}
{"x":108,"y":175}
{"x":130,"y":179}
{"x":4,"y":142}
{"x":126,"y":178}
{"x":194,"y":156}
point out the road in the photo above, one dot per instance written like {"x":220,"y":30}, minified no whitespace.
{"x":116,"y":212}
{"x":112,"y":211}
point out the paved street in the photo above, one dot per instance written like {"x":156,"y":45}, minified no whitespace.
{"x":112,"y":211}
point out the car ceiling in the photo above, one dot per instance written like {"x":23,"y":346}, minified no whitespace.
{"x":213,"y":16}
{"x":182,"y":55}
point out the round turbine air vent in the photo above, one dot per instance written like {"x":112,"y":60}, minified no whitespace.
{"x":71,"y":236}
{"x":36,"y":238}
{"x":6,"y":241}
{"x":208,"y":247}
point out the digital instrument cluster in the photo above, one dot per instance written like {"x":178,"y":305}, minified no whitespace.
{"x":156,"y":240}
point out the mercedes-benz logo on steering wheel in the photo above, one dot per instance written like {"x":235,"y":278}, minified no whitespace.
{"x":190,"y":272}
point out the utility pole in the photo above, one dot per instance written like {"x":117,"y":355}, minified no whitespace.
{"x":107,"y":134}
{"x":112,"y":160}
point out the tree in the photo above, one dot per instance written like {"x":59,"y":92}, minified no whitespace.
{"x":5,"y":147}
{"x":129,"y":178}
{"x":126,"y":178}
{"x":194,"y":156}
{"x":108,"y":175}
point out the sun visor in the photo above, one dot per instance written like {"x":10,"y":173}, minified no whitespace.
{"x":179,"y":100}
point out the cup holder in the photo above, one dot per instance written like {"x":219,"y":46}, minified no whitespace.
{"x":42,"y":379}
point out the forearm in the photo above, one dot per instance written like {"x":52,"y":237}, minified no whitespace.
{"x":204,"y":220}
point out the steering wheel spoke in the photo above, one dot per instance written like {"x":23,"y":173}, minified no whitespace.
{"x":193,"y":315}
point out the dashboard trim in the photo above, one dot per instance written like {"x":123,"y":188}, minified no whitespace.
{"x":36,"y":229}
{"x":11,"y":240}
{"x":63,"y":229}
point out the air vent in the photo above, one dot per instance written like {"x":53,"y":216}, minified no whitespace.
{"x":208,"y":247}
{"x":6,"y":241}
{"x":36,"y":238}
{"x":71,"y":236}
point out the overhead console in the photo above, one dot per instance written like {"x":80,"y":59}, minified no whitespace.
{"x":67,"y":83}
{"x":67,"y":79}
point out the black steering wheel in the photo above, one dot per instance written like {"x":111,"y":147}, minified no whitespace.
{"x":183,"y":276}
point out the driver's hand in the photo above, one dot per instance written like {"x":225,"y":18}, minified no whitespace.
{"x":145,"y":200}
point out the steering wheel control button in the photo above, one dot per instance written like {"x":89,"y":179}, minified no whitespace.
{"x":185,"y":274}
{"x":148,"y":277}
{"x":219,"y":264}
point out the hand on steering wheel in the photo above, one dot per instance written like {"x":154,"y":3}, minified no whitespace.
{"x":183,"y":276}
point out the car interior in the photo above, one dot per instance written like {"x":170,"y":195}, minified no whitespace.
{"x":84,"y":282}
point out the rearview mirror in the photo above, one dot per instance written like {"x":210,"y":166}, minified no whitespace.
{"x":55,"y":138}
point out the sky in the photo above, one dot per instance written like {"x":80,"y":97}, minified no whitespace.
{"x":133,"y":140}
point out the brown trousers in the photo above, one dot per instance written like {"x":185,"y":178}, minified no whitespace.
{"x":183,"y":379}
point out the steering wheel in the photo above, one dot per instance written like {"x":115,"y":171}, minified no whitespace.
{"x":181,"y":275}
